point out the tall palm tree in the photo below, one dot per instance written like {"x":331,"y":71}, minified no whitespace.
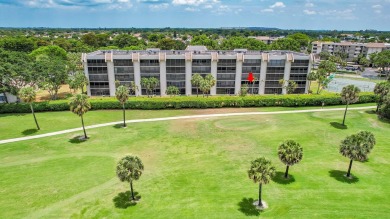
{"x":349,"y":94}
{"x":122,"y":94}
{"x":357,"y":147}
{"x":129,"y":169}
{"x":261,"y":171}
{"x":195,"y":81}
{"x":79,"y":105}
{"x":290,"y":152}
{"x":381,"y":90}
{"x":28,"y":94}
{"x":145,"y":83}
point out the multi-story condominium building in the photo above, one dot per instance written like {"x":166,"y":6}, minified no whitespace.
{"x":176,"y":68}
{"x":352,"y":49}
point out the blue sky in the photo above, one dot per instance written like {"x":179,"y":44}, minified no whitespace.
{"x":286,"y":14}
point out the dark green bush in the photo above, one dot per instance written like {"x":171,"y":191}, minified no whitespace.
{"x":291,"y":100}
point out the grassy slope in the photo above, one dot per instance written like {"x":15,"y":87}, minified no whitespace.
{"x":20,"y":125}
{"x":197,"y":169}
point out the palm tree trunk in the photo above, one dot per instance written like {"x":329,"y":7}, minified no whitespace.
{"x":82,"y":122}
{"x":35,"y":119}
{"x":197,"y":91}
{"x":260,"y":202}
{"x":349,"y":169}
{"x":377,"y":108}
{"x":318,"y":89}
{"x":124,"y":115}
{"x":132,"y":191}
{"x":345,"y":113}
{"x":286,"y":173}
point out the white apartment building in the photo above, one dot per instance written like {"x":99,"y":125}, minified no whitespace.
{"x":176,"y":67}
{"x":352,"y":49}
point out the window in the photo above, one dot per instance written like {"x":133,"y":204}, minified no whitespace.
{"x":96,"y":62}
{"x":276,"y":62}
{"x":123,"y":62}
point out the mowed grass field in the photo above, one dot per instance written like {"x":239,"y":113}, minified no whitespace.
{"x":196,"y":168}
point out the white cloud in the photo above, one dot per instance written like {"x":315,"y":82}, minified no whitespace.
{"x":347,"y":14}
{"x":309,"y":5}
{"x":278,"y":5}
{"x":109,"y":4}
{"x":157,"y":7}
{"x":309,"y":12}
{"x":377,"y":6}
{"x":191,"y":9}
{"x":268,"y":10}
{"x":188,"y":2}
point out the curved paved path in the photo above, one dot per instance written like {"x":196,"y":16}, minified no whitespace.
{"x":176,"y":118}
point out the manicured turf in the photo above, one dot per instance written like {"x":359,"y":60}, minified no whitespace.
{"x":20,"y":125}
{"x":197,"y":169}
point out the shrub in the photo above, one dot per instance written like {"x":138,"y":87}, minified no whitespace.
{"x":291,"y":100}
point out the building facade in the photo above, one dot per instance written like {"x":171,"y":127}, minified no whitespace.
{"x":352,"y":49}
{"x":176,"y":68}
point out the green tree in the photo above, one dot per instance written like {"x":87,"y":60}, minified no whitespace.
{"x":384,"y":111}
{"x":244,"y":43}
{"x":16,"y":72}
{"x":244,"y":90}
{"x":133,"y":88}
{"x":122,"y":95}
{"x":18,"y":44}
{"x":74,"y":63}
{"x":349,"y":94}
{"x":169,"y":44}
{"x":196,"y":80}
{"x":381,"y":60}
{"x":204,"y":41}
{"x":173,"y":91}
{"x":324,"y":69}
{"x":154,"y":83}
{"x":301,"y":38}
{"x":129,"y":169}
{"x":53,"y":74}
{"x":357,"y":147}
{"x":290,"y":85}
{"x":78,"y":81}
{"x":290,"y":152}
{"x":261,"y":171}
{"x":324,"y":55}
{"x":286,"y":44}
{"x":28,"y":94}
{"x":145,"y":83}
{"x":51,"y":52}
{"x":126,"y":40}
{"x":80,"y":105}
{"x":206,"y":84}
{"x":381,"y":90}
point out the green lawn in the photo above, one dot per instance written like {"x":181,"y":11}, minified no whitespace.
{"x":195,"y":168}
{"x":20,"y":125}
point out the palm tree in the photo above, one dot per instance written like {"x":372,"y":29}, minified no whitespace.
{"x":349,"y":94}
{"x":261,"y":171}
{"x":153,"y":84}
{"x":145,"y":83}
{"x":122,"y":95}
{"x":357,"y":147}
{"x":129,"y":169}
{"x":290,"y":152}
{"x":79,"y":105}
{"x":381,"y":90}
{"x":196,"y":80}
{"x":28,"y":94}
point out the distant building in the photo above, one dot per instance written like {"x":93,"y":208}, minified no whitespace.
{"x":352,"y":49}
{"x":265,"y":39}
{"x":176,"y":67}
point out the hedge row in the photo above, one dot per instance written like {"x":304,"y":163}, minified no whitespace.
{"x":192,"y":102}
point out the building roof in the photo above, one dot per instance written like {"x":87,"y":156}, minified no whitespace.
{"x":196,"y":48}
{"x":375,"y":45}
{"x":197,"y":52}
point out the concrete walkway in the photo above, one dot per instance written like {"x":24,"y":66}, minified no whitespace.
{"x":177,"y":118}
